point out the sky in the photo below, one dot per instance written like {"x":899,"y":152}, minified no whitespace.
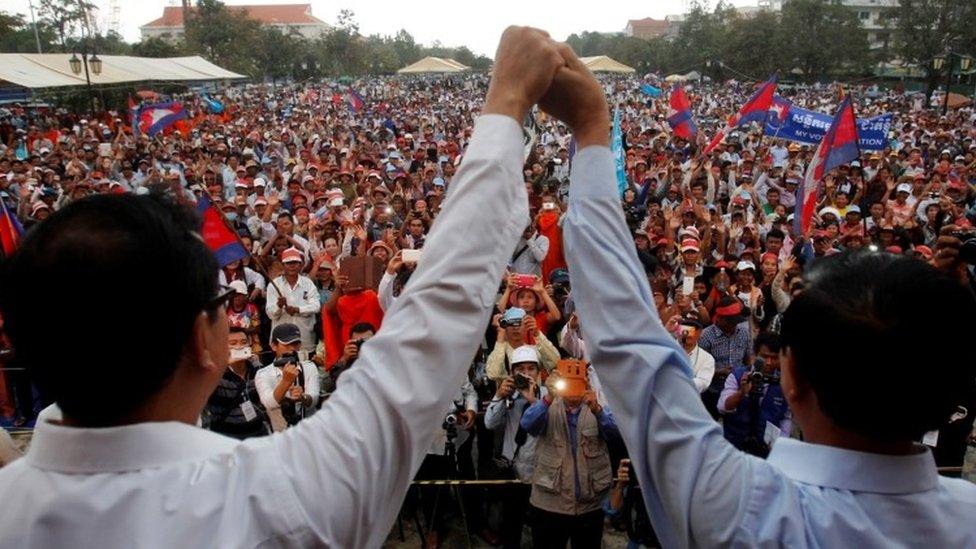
{"x":453,"y":23}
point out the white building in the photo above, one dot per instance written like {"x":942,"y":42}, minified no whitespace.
{"x":871,"y":14}
{"x":287,"y":17}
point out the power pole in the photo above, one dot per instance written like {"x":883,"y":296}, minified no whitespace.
{"x":37,"y":36}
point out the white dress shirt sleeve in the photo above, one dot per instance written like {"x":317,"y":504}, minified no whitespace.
{"x":265,"y":382}
{"x":385,"y":291}
{"x":695,"y":484}
{"x":705,"y":371}
{"x":351,"y":463}
{"x":271,"y":305}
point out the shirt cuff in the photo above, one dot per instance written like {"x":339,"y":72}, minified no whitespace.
{"x":593,"y":174}
{"x":496,"y":136}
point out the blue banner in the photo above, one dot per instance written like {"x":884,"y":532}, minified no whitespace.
{"x":650,"y":90}
{"x":796,"y":124}
{"x":617,"y":146}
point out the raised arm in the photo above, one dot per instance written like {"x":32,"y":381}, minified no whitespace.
{"x":362,"y":449}
{"x":694,"y":483}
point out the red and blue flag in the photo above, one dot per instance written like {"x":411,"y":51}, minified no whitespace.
{"x":10,"y":230}
{"x":756,"y":109}
{"x":838,"y":146}
{"x":356,"y":101}
{"x":226,"y":245}
{"x":679,"y":115}
{"x":157,"y":117}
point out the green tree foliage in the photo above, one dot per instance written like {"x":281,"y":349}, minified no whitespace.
{"x":823,"y":40}
{"x":17,"y":35}
{"x":226,"y":36}
{"x":927,"y":28}
{"x":67,"y":18}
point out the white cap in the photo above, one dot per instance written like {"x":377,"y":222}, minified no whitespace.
{"x":904,"y":188}
{"x":259,"y":182}
{"x":335,"y":202}
{"x":238,"y":286}
{"x":743,"y":265}
{"x":525,"y":353}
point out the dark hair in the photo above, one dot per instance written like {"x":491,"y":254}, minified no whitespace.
{"x":767,"y":339}
{"x":236,"y":330}
{"x":776,"y":233}
{"x":880,"y":338}
{"x":362,"y":328}
{"x":92,"y":348}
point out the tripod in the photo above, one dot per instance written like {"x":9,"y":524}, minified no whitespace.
{"x":450,"y":455}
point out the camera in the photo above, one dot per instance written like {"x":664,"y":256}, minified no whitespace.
{"x":359,"y":343}
{"x":967,"y":252}
{"x":450,"y":419}
{"x":509,"y":323}
{"x":521,"y":382}
{"x":288,"y":358}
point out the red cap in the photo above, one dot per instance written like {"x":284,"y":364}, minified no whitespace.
{"x":291,"y":254}
{"x":925,"y":251}
{"x":894,"y":249}
{"x":689,"y":244}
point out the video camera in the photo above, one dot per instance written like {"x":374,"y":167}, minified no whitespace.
{"x":287,"y":358}
{"x":967,"y":252}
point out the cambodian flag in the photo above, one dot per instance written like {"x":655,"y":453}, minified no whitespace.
{"x":778,"y":111}
{"x":838,"y":146}
{"x":756,"y":109}
{"x":10,"y":230}
{"x":355,"y":101}
{"x":225,"y":245}
{"x":679,"y":115}
{"x":156,"y":118}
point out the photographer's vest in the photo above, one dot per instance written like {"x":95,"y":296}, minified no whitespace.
{"x":553,"y":481}
{"x":740,"y":424}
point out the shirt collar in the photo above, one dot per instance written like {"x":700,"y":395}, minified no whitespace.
{"x":81,"y":450}
{"x":841,"y":469}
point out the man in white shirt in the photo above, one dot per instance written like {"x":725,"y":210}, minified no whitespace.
{"x":294,"y":299}
{"x":687,"y":329}
{"x":119,"y":461}
{"x":293,"y":386}
{"x":529,"y":253}
{"x":859,"y":479}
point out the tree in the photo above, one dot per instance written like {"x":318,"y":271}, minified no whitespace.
{"x":757,"y":44}
{"x":342,"y":50}
{"x":276,"y":52}
{"x":66,"y":17}
{"x":823,"y":39}
{"x":17,"y":35}
{"x":405,"y":48}
{"x":224,"y":36}
{"x":158,"y":47}
{"x":926,"y":28}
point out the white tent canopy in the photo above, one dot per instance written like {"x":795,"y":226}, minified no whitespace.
{"x":52,"y":70}
{"x":433,"y":64}
{"x":603,"y":63}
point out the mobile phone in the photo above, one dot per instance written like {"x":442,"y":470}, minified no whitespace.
{"x":548,"y":205}
{"x":411,"y":256}
{"x":688,"y":285}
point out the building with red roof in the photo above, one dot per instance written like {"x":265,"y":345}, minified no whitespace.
{"x":287,"y":17}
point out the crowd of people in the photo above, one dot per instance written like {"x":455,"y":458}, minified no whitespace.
{"x":310,"y":184}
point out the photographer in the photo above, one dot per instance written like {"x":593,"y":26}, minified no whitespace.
{"x":514,"y":395}
{"x":288,"y":385}
{"x":234,"y":409}
{"x":359,"y":334}
{"x":530,"y":252}
{"x":687,"y":330}
{"x":752,"y":402}
{"x":572,"y":462}
{"x":625,"y":501}
{"x":515,"y":329}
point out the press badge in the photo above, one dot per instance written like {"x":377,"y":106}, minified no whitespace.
{"x":247,"y":408}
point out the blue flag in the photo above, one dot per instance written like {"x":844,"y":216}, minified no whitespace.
{"x":214,"y":106}
{"x":617,"y":146}
{"x":21,"y":151}
{"x":650,"y":90}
